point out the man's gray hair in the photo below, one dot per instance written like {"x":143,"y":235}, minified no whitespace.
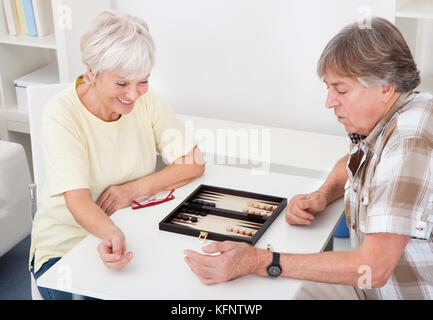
{"x":118,"y":42}
{"x":375,"y":56}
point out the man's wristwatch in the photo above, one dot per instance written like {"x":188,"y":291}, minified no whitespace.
{"x":274,"y":269}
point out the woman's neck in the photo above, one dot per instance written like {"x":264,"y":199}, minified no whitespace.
{"x":91,"y":100}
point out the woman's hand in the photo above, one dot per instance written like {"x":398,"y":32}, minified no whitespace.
{"x":302,"y":208}
{"x":112,"y":250}
{"x":115,"y":198}
{"x":182,"y":171}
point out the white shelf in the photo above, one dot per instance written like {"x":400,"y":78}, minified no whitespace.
{"x":15,"y":114}
{"x":21,"y":55}
{"x":47,"y":42}
{"x":14,"y":120}
{"x":418,"y":9}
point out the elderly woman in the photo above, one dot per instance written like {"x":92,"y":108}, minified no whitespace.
{"x":387,"y":179}
{"x":100,"y":142}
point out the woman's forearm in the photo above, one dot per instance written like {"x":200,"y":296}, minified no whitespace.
{"x":88,"y":214}
{"x":171,"y":177}
{"x":179,"y":173}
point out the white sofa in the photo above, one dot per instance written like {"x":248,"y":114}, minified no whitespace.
{"x":15,"y":204}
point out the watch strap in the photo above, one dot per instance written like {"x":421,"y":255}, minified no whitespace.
{"x":276,"y":258}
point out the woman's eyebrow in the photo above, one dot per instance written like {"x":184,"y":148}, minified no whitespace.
{"x":127,"y":79}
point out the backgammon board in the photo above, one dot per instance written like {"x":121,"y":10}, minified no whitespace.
{"x":220,"y":214}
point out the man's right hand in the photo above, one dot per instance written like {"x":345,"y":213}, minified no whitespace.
{"x":302,"y":208}
{"x":112,"y":250}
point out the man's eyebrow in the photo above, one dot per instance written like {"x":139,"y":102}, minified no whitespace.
{"x":336,"y":83}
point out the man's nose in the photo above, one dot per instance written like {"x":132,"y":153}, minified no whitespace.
{"x":331,"y":100}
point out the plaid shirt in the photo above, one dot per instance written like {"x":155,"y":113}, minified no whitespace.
{"x":390,"y":190}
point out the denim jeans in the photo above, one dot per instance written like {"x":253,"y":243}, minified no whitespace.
{"x":51,"y":294}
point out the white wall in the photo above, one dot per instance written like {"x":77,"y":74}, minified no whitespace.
{"x":247,"y":60}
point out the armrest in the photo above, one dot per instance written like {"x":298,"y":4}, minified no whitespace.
{"x":33,"y":199}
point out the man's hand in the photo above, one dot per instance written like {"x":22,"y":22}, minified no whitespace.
{"x":302,"y":208}
{"x":112,"y":250}
{"x":115,"y":198}
{"x":236,"y":259}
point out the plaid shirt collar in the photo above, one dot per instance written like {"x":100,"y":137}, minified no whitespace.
{"x":370,"y":140}
{"x":356,"y":138}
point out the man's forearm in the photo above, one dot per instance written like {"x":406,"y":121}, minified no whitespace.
{"x":374,"y":261}
{"x":334,"y":183}
{"x":327,"y":267}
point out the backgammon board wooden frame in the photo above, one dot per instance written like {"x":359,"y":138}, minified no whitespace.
{"x":221,"y":214}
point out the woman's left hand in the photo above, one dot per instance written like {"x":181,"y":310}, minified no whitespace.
{"x":115,"y":198}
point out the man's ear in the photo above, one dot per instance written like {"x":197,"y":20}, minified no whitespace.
{"x":388,"y":92}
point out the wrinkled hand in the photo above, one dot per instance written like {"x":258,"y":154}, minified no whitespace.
{"x":112,"y":250}
{"x":115,"y":198}
{"x":236,"y":259}
{"x":302,"y":208}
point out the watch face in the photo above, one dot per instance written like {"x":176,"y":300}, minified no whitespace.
{"x":274,"y":271}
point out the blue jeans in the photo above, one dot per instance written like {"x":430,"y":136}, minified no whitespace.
{"x":51,"y":294}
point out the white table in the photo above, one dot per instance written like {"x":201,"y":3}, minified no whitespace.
{"x":158,"y":270}
{"x":287,"y":151}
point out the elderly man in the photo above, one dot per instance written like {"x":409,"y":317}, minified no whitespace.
{"x":386,"y":180}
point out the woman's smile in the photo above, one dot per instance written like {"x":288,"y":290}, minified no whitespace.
{"x":124,"y":101}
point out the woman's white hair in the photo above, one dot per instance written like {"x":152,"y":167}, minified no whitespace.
{"x":118,"y":42}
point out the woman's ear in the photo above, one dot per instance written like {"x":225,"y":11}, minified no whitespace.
{"x":90,"y":75}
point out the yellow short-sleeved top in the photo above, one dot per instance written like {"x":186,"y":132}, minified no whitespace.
{"x":82,"y":151}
